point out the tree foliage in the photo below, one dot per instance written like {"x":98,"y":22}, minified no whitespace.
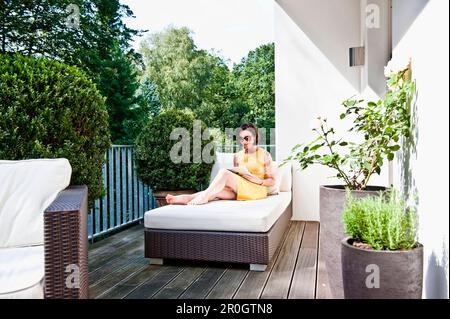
{"x":187,"y":77}
{"x":155,"y":151}
{"x":184,"y":75}
{"x":96,"y":40}
{"x":51,"y":110}
{"x":255,"y":83}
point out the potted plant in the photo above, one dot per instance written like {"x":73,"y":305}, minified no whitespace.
{"x":170,"y":154}
{"x":379,"y":126}
{"x":381,"y":258}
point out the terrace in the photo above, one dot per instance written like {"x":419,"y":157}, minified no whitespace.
{"x":313,"y":76}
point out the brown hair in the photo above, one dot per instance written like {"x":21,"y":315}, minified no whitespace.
{"x":253,"y":130}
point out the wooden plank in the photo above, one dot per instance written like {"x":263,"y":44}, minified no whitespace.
{"x":254,"y":282}
{"x":303,"y":284}
{"x":277,"y":286}
{"x":156,"y":283}
{"x":126,"y":286}
{"x":115,"y":277}
{"x":322,"y":285}
{"x":227,"y":286}
{"x":115,"y":241}
{"x":119,"y":261}
{"x":200,"y":288}
{"x":99,"y":262}
{"x":179,"y":285}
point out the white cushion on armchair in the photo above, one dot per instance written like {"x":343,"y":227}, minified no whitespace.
{"x":27,"y":188}
{"x":22,"y":272}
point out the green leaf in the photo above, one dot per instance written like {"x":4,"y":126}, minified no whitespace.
{"x":315,"y":147}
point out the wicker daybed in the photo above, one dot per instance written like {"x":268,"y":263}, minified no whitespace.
{"x":224,"y":231}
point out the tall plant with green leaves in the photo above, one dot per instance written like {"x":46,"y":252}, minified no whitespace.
{"x":379,"y":125}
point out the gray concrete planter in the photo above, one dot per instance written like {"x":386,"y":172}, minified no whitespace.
{"x":381,"y":274}
{"x":332,"y":201}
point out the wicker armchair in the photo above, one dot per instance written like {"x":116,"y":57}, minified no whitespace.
{"x":66,"y":245}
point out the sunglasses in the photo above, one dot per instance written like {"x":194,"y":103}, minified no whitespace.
{"x":245,"y":138}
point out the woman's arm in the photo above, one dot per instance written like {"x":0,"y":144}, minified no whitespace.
{"x":269,"y":179}
{"x":270,"y":173}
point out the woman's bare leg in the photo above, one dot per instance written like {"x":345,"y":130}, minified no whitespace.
{"x":226,"y":193}
{"x":224,"y":178}
{"x":180,"y":199}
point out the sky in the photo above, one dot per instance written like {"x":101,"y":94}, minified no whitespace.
{"x":231,"y":27}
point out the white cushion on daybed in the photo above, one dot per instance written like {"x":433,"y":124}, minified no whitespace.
{"x":22,"y":272}
{"x":222,"y":215}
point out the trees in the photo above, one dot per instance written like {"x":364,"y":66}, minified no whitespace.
{"x":176,"y":75}
{"x":148,"y":106}
{"x":118,"y":83}
{"x":255,"y":83}
{"x":187,"y":77}
{"x":99,"y":44}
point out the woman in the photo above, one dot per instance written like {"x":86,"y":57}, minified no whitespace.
{"x":228,"y":185}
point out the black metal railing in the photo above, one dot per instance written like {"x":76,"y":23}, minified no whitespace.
{"x":126,"y":197}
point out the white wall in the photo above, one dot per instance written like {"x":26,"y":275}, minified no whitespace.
{"x":421,"y":32}
{"x":312,"y":38}
{"x":376,"y":40}
{"x":313,"y":77}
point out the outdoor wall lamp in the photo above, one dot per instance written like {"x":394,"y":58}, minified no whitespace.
{"x":356,"y":56}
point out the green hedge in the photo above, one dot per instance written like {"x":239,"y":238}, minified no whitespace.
{"x":51,"y":110}
{"x":153,"y":147}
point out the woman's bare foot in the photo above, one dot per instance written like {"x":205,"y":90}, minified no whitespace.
{"x":201,"y":198}
{"x":179,"y":199}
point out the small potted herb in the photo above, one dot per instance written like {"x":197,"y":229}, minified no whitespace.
{"x":382,"y":257}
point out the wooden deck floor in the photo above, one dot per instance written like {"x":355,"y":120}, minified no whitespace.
{"x":118,"y":269}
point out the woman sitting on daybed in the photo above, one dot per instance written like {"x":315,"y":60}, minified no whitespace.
{"x":229,"y":185}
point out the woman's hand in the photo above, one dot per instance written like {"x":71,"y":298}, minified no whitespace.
{"x":253,"y":179}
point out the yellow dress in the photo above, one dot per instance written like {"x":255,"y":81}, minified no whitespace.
{"x":254,"y":162}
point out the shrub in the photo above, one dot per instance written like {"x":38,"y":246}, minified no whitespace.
{"x":153,"y":148}
{"x":51,"y":110}
{"x":384,"y":222}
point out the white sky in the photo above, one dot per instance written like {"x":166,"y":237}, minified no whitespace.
{"x":230,"y":27}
